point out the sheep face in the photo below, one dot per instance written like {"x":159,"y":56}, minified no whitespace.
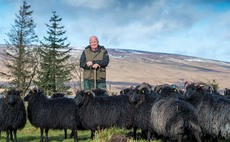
{"x":136,"y":98}
{"x":28,"y":96}
{"x":127,"y":91}
{"x":169,"y":91}
{"x":158,"y":88}
{"x":58,"y":95}
{"x":144,"y":88}
{"x":194,"y":93}
{"x":32,"y":93}
{"x":83,"y":97}
{"x":100,"y":92}
{"x":13,"y":96}
{"x":227,"y":91}
{"x":206,"y":87}
{"x":137,"y":95}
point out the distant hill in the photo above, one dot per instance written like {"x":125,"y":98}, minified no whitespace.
{"x":131,"y":67}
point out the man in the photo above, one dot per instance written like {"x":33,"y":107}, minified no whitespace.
{"x":94,"y":60}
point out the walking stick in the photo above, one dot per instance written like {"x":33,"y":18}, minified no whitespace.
{"x":95,"y":78}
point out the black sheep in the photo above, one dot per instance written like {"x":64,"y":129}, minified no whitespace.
{"x":167,"y":91}
{"x":126,"y":91}
{"x":46,"y":113}
{"x":103,"y":111}
{"x":167,"y":117}
{"x":142,"y":110}
{"x":213,"y":111}
{"x":58,"y":95}
{"x":12,"y":113}
{"x":173,"y":118}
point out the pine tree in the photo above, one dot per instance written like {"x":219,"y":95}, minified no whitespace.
{"x":54,"y":71}
{"x":19,"y":52}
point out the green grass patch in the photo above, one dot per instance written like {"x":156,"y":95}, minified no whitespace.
{"x":31,"y":134}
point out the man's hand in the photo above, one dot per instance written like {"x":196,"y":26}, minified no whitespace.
{"x":89,"y":63}
{"x":95,"y":66}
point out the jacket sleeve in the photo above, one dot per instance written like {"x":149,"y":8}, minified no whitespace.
{"x":104,"y":62}
{"x":83,"y":61}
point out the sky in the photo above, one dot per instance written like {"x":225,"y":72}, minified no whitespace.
{"x":199,"y":28}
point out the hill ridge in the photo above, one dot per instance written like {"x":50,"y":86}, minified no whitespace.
{"x":130,"y":67}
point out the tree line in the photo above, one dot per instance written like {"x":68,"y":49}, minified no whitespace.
{"x":29,"y":61}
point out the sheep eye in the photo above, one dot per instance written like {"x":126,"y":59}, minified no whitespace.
{"x":142,"y":91}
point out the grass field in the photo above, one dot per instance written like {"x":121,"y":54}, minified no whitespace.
{"x":32,"y":134}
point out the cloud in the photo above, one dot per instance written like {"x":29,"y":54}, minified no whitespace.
{"x":92,"y":4}
{"x":186,"y":27}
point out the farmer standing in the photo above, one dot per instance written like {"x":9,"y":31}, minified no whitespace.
{"x":94,"y":60}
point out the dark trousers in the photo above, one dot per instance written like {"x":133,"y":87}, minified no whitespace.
{"x":89,"y":84}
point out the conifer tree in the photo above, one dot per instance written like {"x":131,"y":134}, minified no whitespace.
{"x":54,"y":71}
{"x":18,"y":56}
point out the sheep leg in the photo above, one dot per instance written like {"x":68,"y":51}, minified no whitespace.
{"x":148,"y":135}
{"x":197,"y":136}
{"x":164,"y":139}
{"x":46,"y":132}
{"x":180,"y":137}
{"x":75,"y":134}
{"x":71,"y":134}
{"x":14,"y":134}
{"x":135,"y":133}
{"x":11,"y":135}
{"x":7,"y":135}
{"x":65,"y":132}
{"x":92,"y":134}
{"x":41,"y":134}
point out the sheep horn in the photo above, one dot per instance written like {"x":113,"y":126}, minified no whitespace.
{"x":90,"y":92}
{"x":144,"y":85}
{"x":201,"y":84}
